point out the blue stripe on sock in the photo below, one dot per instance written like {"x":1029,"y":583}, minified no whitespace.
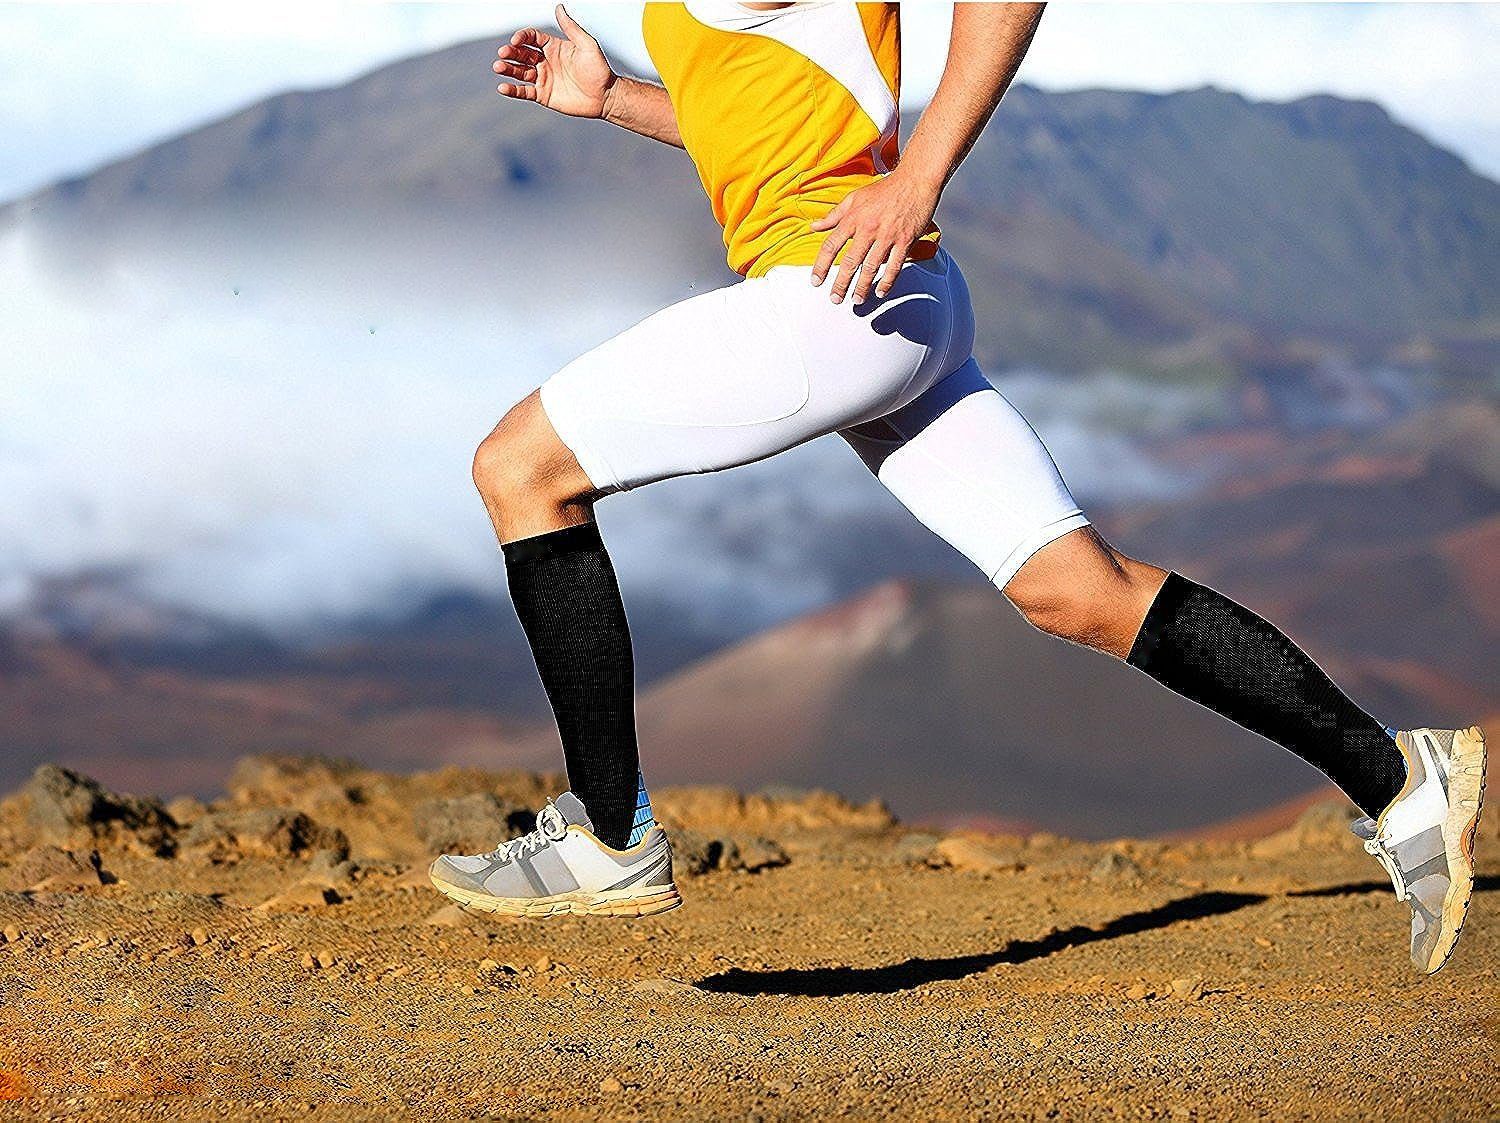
{"x":644,"y":820}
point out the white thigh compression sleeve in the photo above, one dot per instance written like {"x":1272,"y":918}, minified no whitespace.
{"x":747,"y":371}
{"x":969,"y":466}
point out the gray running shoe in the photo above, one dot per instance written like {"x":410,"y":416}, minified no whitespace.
{"x":560,"y":867}
{"x":1425,"y":838}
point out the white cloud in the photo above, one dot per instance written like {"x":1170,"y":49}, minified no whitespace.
{"x":276,"y":426}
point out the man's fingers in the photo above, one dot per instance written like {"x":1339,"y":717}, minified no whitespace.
{"x":515,"y":70}
{"x":531,"y":37}
{"x":523,"y":53}
{"x":520,"y":93}
{"x":873,"y":260}
{"x":893,"y":263}
{"x":833,"y":217}
{"x":852,"y":259}
{"x":829,"y":250}
{"x":571,"y":27}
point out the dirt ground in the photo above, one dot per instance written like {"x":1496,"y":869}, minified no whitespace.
{"x":277,"y":954}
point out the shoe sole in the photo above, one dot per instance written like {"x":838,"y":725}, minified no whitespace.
{"x":1465,"y":799}
{"x":628,"y":903}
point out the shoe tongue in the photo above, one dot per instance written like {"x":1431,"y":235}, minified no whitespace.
{"x":573,"y":812}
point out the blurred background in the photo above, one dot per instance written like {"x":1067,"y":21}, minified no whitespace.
{"x":269,"y":272}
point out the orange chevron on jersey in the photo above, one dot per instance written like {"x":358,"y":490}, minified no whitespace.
{"x":784,"y":112}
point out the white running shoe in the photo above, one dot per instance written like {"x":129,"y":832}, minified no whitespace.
{"x":1425,"y":838}
{"x":560,"y":867}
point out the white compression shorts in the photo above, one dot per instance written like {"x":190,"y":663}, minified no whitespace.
{"x":744,"y":372}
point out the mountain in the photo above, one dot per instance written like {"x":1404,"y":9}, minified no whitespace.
{"x":1319,"y":215}
{"x":1184,"y":231}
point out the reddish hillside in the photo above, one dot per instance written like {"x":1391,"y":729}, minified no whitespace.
{"x":146,"y":729}
{"x":943,"y":701}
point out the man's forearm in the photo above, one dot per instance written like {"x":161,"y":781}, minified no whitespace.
{"x":989,"y":41}
{"x":642,"y":108}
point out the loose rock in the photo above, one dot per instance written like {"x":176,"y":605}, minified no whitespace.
{"x":469,"y":824}
{"x":961,"y":852}
{"x":493,"y":973}
{"x":449,"y":916}
{"x":53,"y":869}
{"x":262,"y":832}
{"x":1187,"y":989}
{"x":1115,"y":866}
{"x":331,"y":866}
{"x":66,"y":808}
{"x":917,"y":848}
{"x":696,"y":853}
{"x":303,"y":895}
{"x":662,"y":986}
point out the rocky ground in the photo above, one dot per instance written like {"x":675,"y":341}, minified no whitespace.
{"x":278,"y":953}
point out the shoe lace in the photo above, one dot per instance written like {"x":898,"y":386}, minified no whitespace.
{"x":550,"y":827}
{"x":1387,"y":858}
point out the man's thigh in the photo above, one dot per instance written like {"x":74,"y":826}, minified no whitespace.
{"x":733,"y":376}
{"x":707,"y":383}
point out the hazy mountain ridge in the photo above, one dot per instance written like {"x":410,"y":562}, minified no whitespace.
{"x":1167,"y":230}
{"x":1317,"y":214}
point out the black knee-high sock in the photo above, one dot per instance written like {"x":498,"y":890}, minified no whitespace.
{"x":566,"y":595}
{"x":1221,"y":655}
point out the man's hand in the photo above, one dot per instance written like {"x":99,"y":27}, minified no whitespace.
{"x":879,"y":222}
{"x":570,"y":75}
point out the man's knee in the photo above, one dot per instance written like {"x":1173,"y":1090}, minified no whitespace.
{"x":502,"y":470}
{"x":512,"y":467}
{"x":1098,"y":599}
{"x":1070,"y":610}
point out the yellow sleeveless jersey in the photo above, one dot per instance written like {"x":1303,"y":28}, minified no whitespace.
{"x":784,"y":112}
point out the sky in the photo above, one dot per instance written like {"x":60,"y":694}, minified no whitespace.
{"x":81,"y":84}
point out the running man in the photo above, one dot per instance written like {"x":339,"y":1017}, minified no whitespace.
{"x":853,"y":319}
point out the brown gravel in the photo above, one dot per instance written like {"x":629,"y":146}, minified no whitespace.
{"x":876,"y":973}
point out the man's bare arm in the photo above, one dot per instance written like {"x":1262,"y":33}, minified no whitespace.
{"x":642,"y":107}
{"x":985,"y":51}
{"x":879,"y":222}
{"x":569,"y":74}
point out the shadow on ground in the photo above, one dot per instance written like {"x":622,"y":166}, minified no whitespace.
{"x":1486,"y":884}
{"x":829,"y":982}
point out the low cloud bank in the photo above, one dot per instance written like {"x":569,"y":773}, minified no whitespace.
{"x":277,"y":430}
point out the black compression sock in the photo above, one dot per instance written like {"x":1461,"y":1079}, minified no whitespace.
{"x":566,"y":595}
{"x":1223,"y":656}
